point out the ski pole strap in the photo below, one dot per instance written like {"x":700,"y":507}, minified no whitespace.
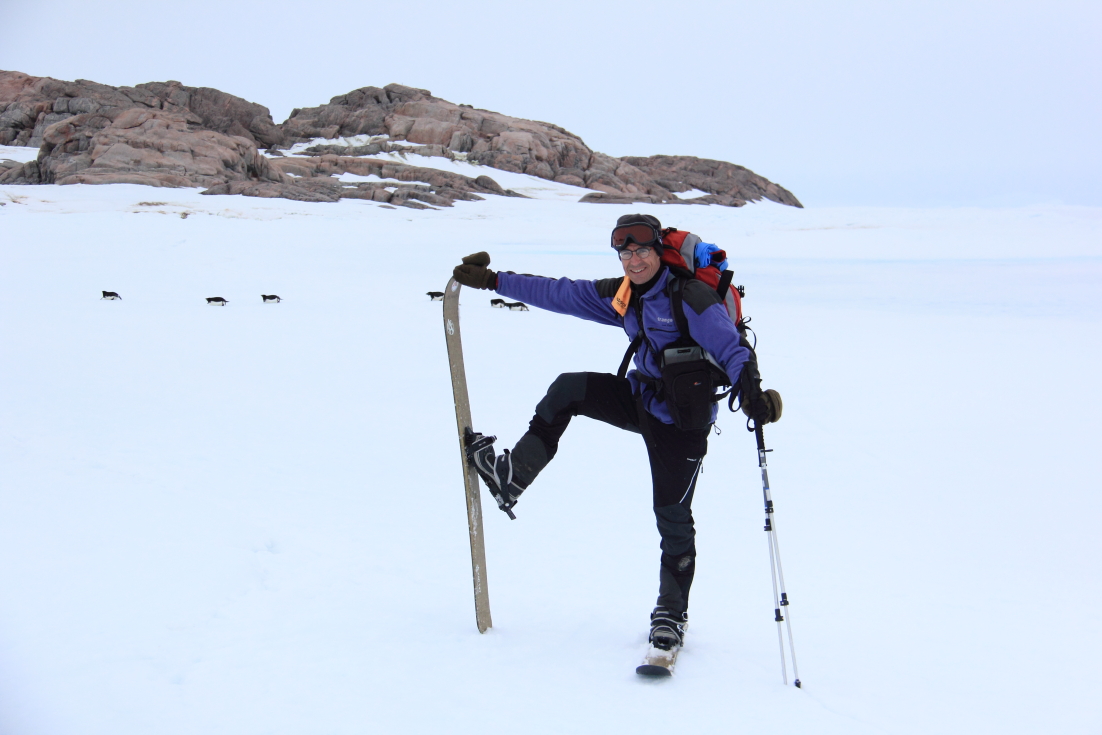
{"x":632,"y":349}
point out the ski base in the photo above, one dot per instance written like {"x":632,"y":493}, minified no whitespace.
{"x":470,"y":477}
{"x":658,"y":662}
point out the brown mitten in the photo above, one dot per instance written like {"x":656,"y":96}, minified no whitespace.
{"x":474,"y":272}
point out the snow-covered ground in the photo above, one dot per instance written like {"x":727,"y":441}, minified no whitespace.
{"x":250,"y":519}
{"x":21,"y":154}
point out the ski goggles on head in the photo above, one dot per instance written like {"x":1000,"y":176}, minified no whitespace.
{"x":640,"y":234}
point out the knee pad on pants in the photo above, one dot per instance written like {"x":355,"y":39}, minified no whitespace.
{"x":566,"y":389}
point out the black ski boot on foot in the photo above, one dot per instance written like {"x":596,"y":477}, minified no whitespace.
{"x":667,"y":629}
{"x":496,"y":472}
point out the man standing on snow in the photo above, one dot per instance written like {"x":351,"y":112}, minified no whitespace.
{"x":644,"y":303}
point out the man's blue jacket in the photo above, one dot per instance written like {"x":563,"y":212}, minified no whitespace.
{"x":706,"y":315}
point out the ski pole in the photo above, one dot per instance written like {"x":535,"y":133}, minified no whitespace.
{"x":780,"y":601}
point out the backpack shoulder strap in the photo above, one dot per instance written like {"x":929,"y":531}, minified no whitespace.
{"x":632,"y":349}
{"x":676,"y":291}
{"x":725,"y":279}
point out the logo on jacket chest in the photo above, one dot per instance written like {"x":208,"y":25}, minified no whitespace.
{"x":663,"y":320}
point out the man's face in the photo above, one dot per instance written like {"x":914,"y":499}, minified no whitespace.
{"x":639,"y":268}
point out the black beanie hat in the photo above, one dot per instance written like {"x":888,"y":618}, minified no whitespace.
{"x":635,"y":219}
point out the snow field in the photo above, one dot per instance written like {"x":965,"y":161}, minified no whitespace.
{"x":20,"y":154}
{"x":250,"y":519}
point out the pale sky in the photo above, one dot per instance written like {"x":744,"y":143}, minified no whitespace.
{"x":844,"y":103}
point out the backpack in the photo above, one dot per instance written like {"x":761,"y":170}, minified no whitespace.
{"x":689,"y":374}
{"x":689,"y":257}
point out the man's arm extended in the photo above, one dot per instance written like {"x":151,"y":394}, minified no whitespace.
{"x":590,"y":300}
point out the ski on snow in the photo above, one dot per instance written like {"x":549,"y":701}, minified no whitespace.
{"x":470,"y":477}
{"x":658,"y":662}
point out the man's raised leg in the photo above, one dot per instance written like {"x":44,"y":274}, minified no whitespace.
{"x":600,"y":396}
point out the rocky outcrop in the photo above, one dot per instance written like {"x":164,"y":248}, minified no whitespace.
{"x":330,"y":164}
{"x":726,"y":183}
{"x":91,"y":133}
{"x":485,"y":137}
{"x":398,"y":184}
{"x":29,"y":105}
{"x":145,"y":146}
{"x":218,"y":111}
{"x":525,"y":146}
{"x":139,"y":145}
{"x":168,"y":134}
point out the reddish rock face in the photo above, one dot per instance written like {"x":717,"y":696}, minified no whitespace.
{"x":159,"y":134}
{"x":168,"y":134}
{"x":153,"y":147}
{"x":221,"y":112}
{"x":28,"y":105}
{"x":489,"y":138}
{"x":726,"y":183}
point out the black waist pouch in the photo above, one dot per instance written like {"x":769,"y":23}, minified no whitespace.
{"x":689,"y":381}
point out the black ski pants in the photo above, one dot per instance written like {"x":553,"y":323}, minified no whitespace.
{"x":675,"y":461}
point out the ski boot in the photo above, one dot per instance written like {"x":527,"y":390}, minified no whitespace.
{"x":667,"y":629}
{"x":496,"y":472}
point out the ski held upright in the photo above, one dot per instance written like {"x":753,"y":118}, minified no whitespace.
{"x":470,"y":477}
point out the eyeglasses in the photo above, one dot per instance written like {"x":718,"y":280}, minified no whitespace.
{"x":640,"y":234}
{"x":643,"y":253}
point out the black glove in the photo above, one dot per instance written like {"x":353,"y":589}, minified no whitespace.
{"x":474,"y":272}
{"x":764,"y":407}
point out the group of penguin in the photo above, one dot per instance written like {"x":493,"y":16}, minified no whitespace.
{"x":273,"y":299}
{"x":496,"y":303}
{"x":213,"y":300}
